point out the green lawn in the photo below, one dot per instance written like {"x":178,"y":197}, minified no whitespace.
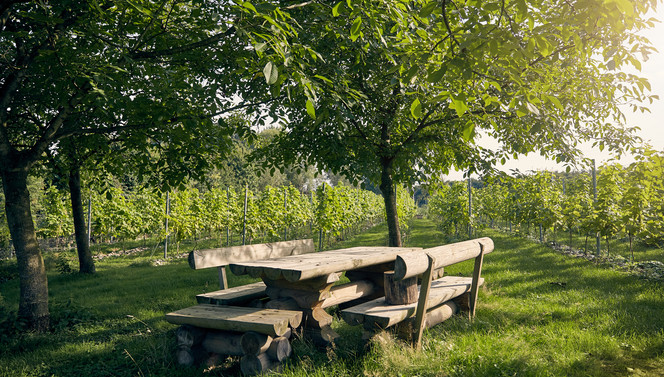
{"x":539,"y":314}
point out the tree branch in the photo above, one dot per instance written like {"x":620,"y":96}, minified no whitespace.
{"x":54,"y":125}
{"x":447,"y":23}
{"x":180,"y":49}
{"x":140,"y":37}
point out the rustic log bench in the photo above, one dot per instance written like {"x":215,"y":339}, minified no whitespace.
{"x":409,"y":309}
{"x":233,"y":321}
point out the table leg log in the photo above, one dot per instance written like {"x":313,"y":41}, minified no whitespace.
{"x":188,"y":340}
{"x":317,"y":318}
{"x":255,"y":364}
{"x":322,"y":337}
{"x":439,"y":314}
{"x":463,"y":303}
{"x":280,"y":349}
{"x":214,"y":359}
{"x":400,"y":292}
{"x":253,"y":343}
{"x":223,"y":343}
{"x":304,"y":299}
{"x":284,"y":303}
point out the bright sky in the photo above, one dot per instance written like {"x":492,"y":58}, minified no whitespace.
{"x":651,"y":124}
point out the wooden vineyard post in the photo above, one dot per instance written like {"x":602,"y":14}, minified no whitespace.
{"x":228,"y":211}
{"x":420,"y":313}
{"x":595,"y":202}
{"x":244,"y":221}
{"x":470,"y":208}
{"x":89,"y":219}
{"x":168,"y":213}
{"x":285,"y":212}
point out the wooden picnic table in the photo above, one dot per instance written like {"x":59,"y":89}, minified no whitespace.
{"x":307,"y":282}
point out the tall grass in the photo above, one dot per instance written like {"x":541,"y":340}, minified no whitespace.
{"x":539,"y":314}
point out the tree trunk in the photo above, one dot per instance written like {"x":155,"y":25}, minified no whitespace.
{"x":85,"y":262}
{"x":33,"y":301}
{"x":390,"y":198}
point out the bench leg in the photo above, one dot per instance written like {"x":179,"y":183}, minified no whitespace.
{"x":223,"y":283}
{"x":420,"y":313}
{"x":472,"y":300}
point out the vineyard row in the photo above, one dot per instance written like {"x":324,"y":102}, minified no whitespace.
{"x":271,"y":214}
{"x":615,"y":201}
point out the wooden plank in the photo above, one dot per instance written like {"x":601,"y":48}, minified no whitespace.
{"x":415,"y":263}
{"x":226,"y":255}
{"x":302,"y":267}
{"x":377,"y":313}
{"x":309,"y":285}
{"x":233,"y":296}
{"x":234,"y":318}
{"x":349,"y":292}
{"x":420,"y":311}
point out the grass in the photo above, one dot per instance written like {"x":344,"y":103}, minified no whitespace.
{"x":616,"y":245}
{"x":539,"y":314}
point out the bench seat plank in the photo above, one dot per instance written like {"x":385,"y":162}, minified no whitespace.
{"x":378,"y":313}
{"x":271,"y":322}
{"x":234,"y":296}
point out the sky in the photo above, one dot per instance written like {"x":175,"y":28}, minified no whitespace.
{"x":651,"y":124}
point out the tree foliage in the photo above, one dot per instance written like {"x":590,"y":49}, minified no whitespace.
{"x":402,"y":91}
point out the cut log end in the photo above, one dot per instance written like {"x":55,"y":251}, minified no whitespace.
{"x":251,"y":365}
{"x":253,"y":343}
{"x":280,"y":349}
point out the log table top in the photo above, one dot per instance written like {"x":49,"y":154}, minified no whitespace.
{"x":295,"y":268}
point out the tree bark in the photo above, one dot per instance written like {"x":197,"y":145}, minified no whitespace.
{"x":33,"y":301}
{"x":390,"y":198}
{"x":85,"y":261}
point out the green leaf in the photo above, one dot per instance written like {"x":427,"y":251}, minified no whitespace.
{"x":555,"y":102}
{"x":459,"y":105}
{"x":355,"y":29}
{"x":259,"y":47}
{"x":428,"y":9}
{"x":311,"y":110}
{"x":249,"y":6}
{"x":537,"y":127}
{"x":140,"y":8}
{"x":467,"y":132}
{"x":532,"y":108}
{"x":271,"y":73}
{"x":335,"y":10}
{"x":416,"y":108}
{"x":436,"y":76}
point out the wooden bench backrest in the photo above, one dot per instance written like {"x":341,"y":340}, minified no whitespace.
{"x":424,"y":262}
{"x":208,"y":258}
{"x":416,"y":262}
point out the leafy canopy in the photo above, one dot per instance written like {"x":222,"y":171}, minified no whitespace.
{"x":418,"y":85}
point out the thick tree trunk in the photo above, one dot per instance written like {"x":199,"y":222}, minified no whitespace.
{"x":85,"y":262}
{"x":390,"y":198}
{"x":33,"y":302}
